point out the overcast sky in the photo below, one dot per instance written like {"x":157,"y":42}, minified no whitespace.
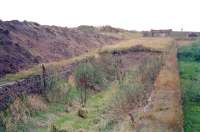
{"x":128,"y":14}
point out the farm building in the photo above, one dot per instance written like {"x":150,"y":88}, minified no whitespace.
{"x":158,"y":33}
{"x":161,"y":33}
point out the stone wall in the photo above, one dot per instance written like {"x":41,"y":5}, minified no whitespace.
{"x":9,"y":91}
{"x":30,"y":85}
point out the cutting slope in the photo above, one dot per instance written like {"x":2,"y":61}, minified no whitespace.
{"x":26,"y":43}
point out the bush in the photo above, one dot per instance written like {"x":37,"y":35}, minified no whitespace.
{"x":190,"y":52}
{"x":107,"y":65}
{"x":127,"y":97}
{"x":88,"y":73}
{"x":87,"y":77}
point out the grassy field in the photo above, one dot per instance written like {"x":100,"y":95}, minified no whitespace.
{"x":96,"y":105}
{"x":190,"y":82}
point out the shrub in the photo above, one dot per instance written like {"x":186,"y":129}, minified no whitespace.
{"x":87,"y":76}
{"x":87,"y":72}
{"x":190,"y":52}
{"x":127,"y":97}
{"x":107,"y":65}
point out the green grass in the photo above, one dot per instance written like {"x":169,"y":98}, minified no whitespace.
{"x":96,"y":104}
{"x":191,"y":89}
{"x":190,"y":52}
{"x":190,"y":82}
{"x":20,"y":75}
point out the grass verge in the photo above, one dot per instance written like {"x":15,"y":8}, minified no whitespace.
{"x":189,"y":68}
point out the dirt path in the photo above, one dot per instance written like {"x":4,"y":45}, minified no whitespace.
{"x":163,"y":112}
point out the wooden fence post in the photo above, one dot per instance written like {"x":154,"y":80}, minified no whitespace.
{"x":44,"y":76}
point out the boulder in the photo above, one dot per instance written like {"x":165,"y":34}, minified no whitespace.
{"x":82,"y":112}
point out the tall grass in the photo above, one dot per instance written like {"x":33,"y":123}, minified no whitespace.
{"x":56,"y":87}
{"x":18,"y":113}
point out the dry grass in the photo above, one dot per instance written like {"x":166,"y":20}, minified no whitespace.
{"x":163,"y":111}
{"x":19,"y":113}
{"x":36,"y":102}
{"x":152,"y":43}
{"x":16,"y":113}
{"x":124,"y":35}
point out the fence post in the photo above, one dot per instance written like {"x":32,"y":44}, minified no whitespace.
{"x":44,"y":76}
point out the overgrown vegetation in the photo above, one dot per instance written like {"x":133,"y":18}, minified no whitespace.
{"x":103,"y":85}
{"x":190,"y":53}
{"x":17,"y":116}
{"x":56,"y":87}
{"x":135,"y":85}
{"x":189,"y":58}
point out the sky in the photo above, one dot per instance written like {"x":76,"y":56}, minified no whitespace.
{"x":128,"y":14}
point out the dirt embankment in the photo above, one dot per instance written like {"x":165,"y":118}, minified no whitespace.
{"x":13,"y":56}
{"x":163,"y":113}
{"x":23,"y":44}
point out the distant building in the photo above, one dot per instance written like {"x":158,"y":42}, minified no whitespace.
{"x":161,"y":33}
{"x":157,"y":33}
